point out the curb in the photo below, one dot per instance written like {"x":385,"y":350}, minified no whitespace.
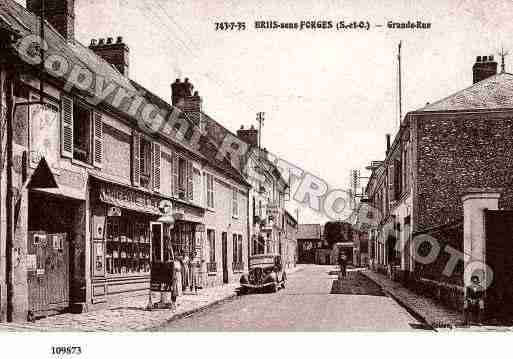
{"x":190,"y":312}
{"x":402,"y":303}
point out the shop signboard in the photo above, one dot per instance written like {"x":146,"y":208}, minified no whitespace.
{"x":161,"y":276}
{"x":44,"y":122}
{"x":129,"y":199}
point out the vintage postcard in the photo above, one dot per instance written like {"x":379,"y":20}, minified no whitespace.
{"x":255,"y":166}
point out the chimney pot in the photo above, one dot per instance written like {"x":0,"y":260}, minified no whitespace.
{"x":60,"y":14}
{"x":93,"y":42}
{"x":120,"y":40}
{"x":186,"y":80}
{"x":196,"y":93}
{"x":117,"y":56}
{"x":388,"y":143}
{"x":484,"y":67}
{"x":241,"y":127}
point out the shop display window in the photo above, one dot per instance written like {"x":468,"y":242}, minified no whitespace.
{"x":128,"y":246}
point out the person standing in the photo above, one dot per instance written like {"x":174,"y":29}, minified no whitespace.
{"x":474,"y":303}
{"x":178,"y":276}
{"x":342,"y":264}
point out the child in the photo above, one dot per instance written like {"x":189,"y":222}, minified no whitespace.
{"x":474,"y":304}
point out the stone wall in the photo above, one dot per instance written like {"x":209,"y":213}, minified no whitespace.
{"x":456,"y":152}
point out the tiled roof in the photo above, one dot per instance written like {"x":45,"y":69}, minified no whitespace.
{"x":25,"y":22}
{"x":16,"y":17}
{"x":495,"y":92}
{"x":309,"y":231}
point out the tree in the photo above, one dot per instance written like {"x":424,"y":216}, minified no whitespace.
{"x":338,"y":231}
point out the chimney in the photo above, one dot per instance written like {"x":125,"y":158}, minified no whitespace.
{"x":484,"y":67}
{"x":250,"y":136}
{"x":59,"y":13}
{"x":388,"y":143}
{"x":184,"y":98}
{"x":116,"y":53}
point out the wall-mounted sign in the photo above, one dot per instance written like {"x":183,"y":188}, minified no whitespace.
{"x":31,"y":262}
{"x":40,"y":240}
{"x":114,"y":212}
{"x":44,"y":122}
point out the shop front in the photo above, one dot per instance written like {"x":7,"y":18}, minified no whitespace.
{"x":128,"y":235}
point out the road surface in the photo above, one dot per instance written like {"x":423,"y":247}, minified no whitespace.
{"x":313,"y":300}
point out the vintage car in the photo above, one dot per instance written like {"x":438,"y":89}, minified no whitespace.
{"x":265,"y":272}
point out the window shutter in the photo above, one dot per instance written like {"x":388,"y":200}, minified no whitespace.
{"x":156,"y":166}
{"x":67,"y":127}
{"x":391,"y":192}
{"x":98,"y":140}
{"x":190,"y":179}
{"x":136,"y":169}
{"x":175,"y":174}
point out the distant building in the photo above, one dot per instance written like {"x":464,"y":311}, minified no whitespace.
{"x":308,"y":241}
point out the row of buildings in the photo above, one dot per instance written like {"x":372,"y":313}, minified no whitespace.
{"x":321,"y":244}
{"x":92,"y":194}
{"x":449,"y":158}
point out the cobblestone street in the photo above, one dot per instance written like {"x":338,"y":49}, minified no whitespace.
{"x":314,"y":299}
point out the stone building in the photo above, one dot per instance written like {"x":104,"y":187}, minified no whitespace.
{"x":123,"y":185}
{"x":441,"y":151}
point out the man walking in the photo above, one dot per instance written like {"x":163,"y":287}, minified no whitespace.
{"x":342,"y":264}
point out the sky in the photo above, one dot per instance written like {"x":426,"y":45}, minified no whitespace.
{"x":329,"y":96}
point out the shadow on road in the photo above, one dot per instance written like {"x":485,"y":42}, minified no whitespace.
{"x":355,"y":284}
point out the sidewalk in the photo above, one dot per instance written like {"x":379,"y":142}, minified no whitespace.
{"x":431,"y":312}
{"x":128,"y":315}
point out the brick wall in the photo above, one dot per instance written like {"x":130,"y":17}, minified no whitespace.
{"x":458,"y":151}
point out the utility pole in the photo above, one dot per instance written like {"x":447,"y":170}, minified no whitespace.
{"x":260,"y":120}
{"x":503,"y":54}
{"x":400,"y":84}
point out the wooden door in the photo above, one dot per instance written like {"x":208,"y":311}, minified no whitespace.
{"x":47,"y":272}
{"x":499,"y":256}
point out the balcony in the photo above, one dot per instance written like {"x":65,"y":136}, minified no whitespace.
{"x":212,"y":267}
{"x":238,"y":267}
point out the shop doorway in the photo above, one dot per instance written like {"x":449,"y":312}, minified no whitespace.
{"x":52,"y":256}
{"x":157,"y":244}
{"x":224,"y":246}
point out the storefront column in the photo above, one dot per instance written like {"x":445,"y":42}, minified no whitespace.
{"x":475,"y":201}
{"x":79,"y":265}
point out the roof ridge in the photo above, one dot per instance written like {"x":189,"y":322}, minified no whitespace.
{"x":474,"y":85}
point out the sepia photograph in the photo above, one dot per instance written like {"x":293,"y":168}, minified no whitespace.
{"x":303,"y":168}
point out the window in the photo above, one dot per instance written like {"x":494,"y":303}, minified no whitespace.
{"x":211,"y":236}
{"x":128,"y":246}
{"x":210,"y":190}
{"x":145,"y":163}
{"x":81,"y":133}
{"x":398,"y":185}
{"x":235,"y":203}
{"x":405,"y":169}
{"x":182,"y":177}
{"x":237,"y":253}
